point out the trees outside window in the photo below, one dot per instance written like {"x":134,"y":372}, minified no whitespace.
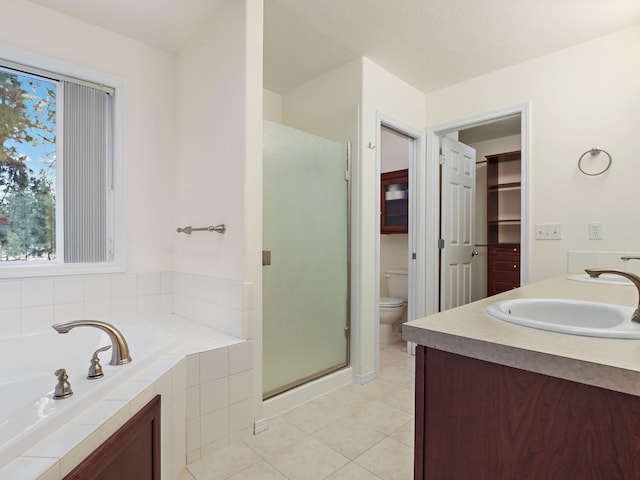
{"x":27,"y":167}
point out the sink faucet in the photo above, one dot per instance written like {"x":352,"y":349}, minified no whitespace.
{"x":596,"y":272}
{"x":120,"y":349}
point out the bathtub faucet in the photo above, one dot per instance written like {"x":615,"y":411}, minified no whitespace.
{"x":120,"y":349}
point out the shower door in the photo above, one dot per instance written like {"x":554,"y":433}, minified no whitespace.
{"x":305,"y":233}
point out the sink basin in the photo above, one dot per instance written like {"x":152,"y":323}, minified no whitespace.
{"x":605,"y":278}
{"x":575,"y":317}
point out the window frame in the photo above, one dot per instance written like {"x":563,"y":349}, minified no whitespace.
{"x":115,"y":198}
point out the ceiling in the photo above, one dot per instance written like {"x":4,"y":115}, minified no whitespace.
{"x":428,"y":43}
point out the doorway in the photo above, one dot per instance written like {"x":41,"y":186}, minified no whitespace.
{"x":403,"y":248}
{"x":465,"y":129}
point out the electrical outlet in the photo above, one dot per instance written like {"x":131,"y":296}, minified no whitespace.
{"x":595,"y":231}
{"x":548,"y":231}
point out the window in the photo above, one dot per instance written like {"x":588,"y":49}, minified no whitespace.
{"x":56,"y":170}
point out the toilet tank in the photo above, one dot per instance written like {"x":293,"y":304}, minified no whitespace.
{"x":397,"y":282}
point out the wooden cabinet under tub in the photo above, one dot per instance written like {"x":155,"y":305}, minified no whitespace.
{"x":131,"y":453}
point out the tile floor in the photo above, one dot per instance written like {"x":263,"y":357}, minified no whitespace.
{"x":359,"y":432}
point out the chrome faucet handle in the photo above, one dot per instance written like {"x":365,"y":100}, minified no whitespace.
{"x":95,"y":370}
{"x":63,"y":388}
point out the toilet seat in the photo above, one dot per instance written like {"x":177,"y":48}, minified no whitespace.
{"x":388,"y":302}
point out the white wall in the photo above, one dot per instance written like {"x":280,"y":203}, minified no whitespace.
{"x":272,"y":107}
{"x":219,"y":179}
{"x":150,"y":146}
{"x":384,"y":93}
{"x":581,"y":97}
{"x":328,"y":105}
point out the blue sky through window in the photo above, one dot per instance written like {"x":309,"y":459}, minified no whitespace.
{"x":40,"y":94}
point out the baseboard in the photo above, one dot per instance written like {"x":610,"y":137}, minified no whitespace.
{"x":362,"y":379}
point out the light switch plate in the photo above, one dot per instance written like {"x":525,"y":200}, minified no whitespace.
{"x":548,"y":231}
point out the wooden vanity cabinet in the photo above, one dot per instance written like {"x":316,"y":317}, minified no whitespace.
{"x":481,"y":420}
{"x":131,"y":453}
{"x":394,"y":201}
{"x":503,"y":221}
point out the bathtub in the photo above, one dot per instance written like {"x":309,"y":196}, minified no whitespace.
{"x":28,"y":412}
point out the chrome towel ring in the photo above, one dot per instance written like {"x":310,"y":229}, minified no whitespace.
{"x":594,"y":151}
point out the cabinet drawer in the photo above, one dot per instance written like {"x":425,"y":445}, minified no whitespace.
{"x":505,"y":249}
{"x":506,"y":265}
{"x":505,"y":277}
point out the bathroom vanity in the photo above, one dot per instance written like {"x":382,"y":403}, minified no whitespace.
{"x":502,"y":401}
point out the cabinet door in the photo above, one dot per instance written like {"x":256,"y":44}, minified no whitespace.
{"x":481,"y":420}
{"x":394,"y":202}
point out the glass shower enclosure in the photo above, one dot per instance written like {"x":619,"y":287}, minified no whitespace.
{"x":306,"y":272}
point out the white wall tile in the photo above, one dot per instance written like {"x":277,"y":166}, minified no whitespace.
{"x":240,"y":357}
{"x":9,"y":295}
{"x":193,"y":370}
{"x":10,"y":322}
{"x":214,"y":364}
{"x":178,"y":378}
{"x":240,"y":415}
{"x":36,"y":319}
{"x":149,"y":284}
{"x":166,"y":304}
{"x":193,"y":403}
{"x":36,"y":292}
{"x":240,"y":386}
{"x":234,"y":295}
{"x":166,"y":282}
{"x":214,"y":395}
{"x":98,"y":310}
{"x":149,"y":305}
{"x":213,"y":289}
{"x":97,"y":287}
{"x":248,"y":296}
{"x":193,"y":434}
{"x":214,"y":427}
{"x":124,"y":285}
{"x":124,"y":308}
{"x":193,"y":455}
{"x":68,"y":290}
{"x":68,"y":311}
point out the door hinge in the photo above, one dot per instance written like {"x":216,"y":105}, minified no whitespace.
{"x":347,"y":333}
{"x":347,"y":175}
{"x":266,"y":257}
{"x":413,"y":256}
{"x":441,"y":243}
{"x":442,"y":159}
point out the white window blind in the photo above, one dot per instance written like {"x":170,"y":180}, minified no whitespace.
{"x":87,"y":163}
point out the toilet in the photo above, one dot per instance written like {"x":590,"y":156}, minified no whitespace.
{"x":392,"y":307}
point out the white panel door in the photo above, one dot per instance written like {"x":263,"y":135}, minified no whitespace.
{"x":457,"y":217}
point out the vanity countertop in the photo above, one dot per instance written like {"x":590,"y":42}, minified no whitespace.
{"x":470,"y":331}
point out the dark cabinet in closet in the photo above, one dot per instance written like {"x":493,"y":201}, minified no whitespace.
{"x":503,"y":221}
